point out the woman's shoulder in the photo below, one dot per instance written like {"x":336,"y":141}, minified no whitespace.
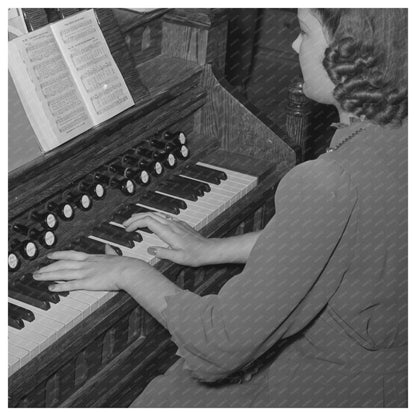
{"x":321,"y":174}
{"x":374,"y":150}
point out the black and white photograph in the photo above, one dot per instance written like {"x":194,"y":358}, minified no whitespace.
{"x":208,"y":207}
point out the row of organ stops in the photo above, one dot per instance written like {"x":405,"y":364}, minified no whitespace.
{"x":135,"y":167}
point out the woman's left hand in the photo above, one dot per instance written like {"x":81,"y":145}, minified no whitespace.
{"x":76,"y":271}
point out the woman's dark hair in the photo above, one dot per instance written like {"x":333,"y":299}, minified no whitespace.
{"x":367,"y":61}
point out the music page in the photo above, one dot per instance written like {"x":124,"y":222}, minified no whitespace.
{"x":92,"y":65}
{"x":48,"y":93}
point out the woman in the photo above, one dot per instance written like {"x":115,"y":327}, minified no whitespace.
{"x":329,"y":271}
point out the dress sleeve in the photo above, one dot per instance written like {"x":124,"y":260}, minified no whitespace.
{"x":293,"y":270}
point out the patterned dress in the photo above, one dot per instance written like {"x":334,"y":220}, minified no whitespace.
{"x":328,"y":274}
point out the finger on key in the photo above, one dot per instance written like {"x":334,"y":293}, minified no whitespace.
{"x":60,"y":265}
{"x":63,"y":274}
{"x":68,"y":255}
{"x":163,"y":231}
{"x":159,"y":216}
{"x":138,"y":218}
{"x":69,"y":286}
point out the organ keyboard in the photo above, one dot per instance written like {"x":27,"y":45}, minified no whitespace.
{"x":171,"y":153}
{"x":45,"y":326}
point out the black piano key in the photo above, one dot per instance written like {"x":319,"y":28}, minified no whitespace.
{"x":16,"y":323}
{"x":176,"y":190}
{"x":42,"y":286}
{"x":135,"y":236}
{"x":113,"y":233}
{"x":120,"y":216}
{"x":13,"y":313}
{"x":90,"y":246}
{"x":203,"y":173}
{"x":200,"y":187}
{"x":162,"y":202}
{"x":28,"y":299}
{"x":45,"y":285}
{"x":126,"y":212}
{"x":36,"y":291}
{"x":195,"y":187}
{"x":132,"y":236}
{"x":43,"y":292}
{"x":16,"y":311}
{"x":219,"y":173}
{"x":135,"y":209}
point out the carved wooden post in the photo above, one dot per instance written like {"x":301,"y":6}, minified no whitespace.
{"x":298,"y":115}
{"x":197,"y":35}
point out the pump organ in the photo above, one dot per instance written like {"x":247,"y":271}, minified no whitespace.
{"x":188,"y":147}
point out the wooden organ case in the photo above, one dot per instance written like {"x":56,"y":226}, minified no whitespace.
{"x":169,"y":59}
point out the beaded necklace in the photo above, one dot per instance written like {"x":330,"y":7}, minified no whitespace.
{"x":343,"y":141}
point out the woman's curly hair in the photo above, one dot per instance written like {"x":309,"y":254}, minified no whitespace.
{"x":367,"y":61}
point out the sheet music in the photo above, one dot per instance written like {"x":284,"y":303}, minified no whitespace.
{"x":92,"y":65}
{"x":64,"y":115}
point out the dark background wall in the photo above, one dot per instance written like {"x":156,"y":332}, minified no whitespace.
{"x":261,"y":64}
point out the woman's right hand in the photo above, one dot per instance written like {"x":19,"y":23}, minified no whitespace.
{"x":186,"y":246}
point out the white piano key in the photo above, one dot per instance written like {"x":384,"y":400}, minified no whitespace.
{"x":100,"y":297}
{"x":65,"y":313}
{"x":47,"y":323}
{"x":16,"y":339}
{"x":189,"y":217}
{"x":82,"y":308}
{"x":14,"y":363}
{"x":22,"y":354}
{"x":85,"y":297}
{"x":27,"y":333}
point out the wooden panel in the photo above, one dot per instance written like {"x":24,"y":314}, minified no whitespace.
{"x":238,"y":128}
{"x":142,"y":32}
{"x":198,"y":18}
{"x":197,"y":35}
{"x":185,"y":42}
{"x":217,"y":47}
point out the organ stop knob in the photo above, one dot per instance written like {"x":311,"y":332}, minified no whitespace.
{"x":64,"y":210}
{"x":46,"y":219}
